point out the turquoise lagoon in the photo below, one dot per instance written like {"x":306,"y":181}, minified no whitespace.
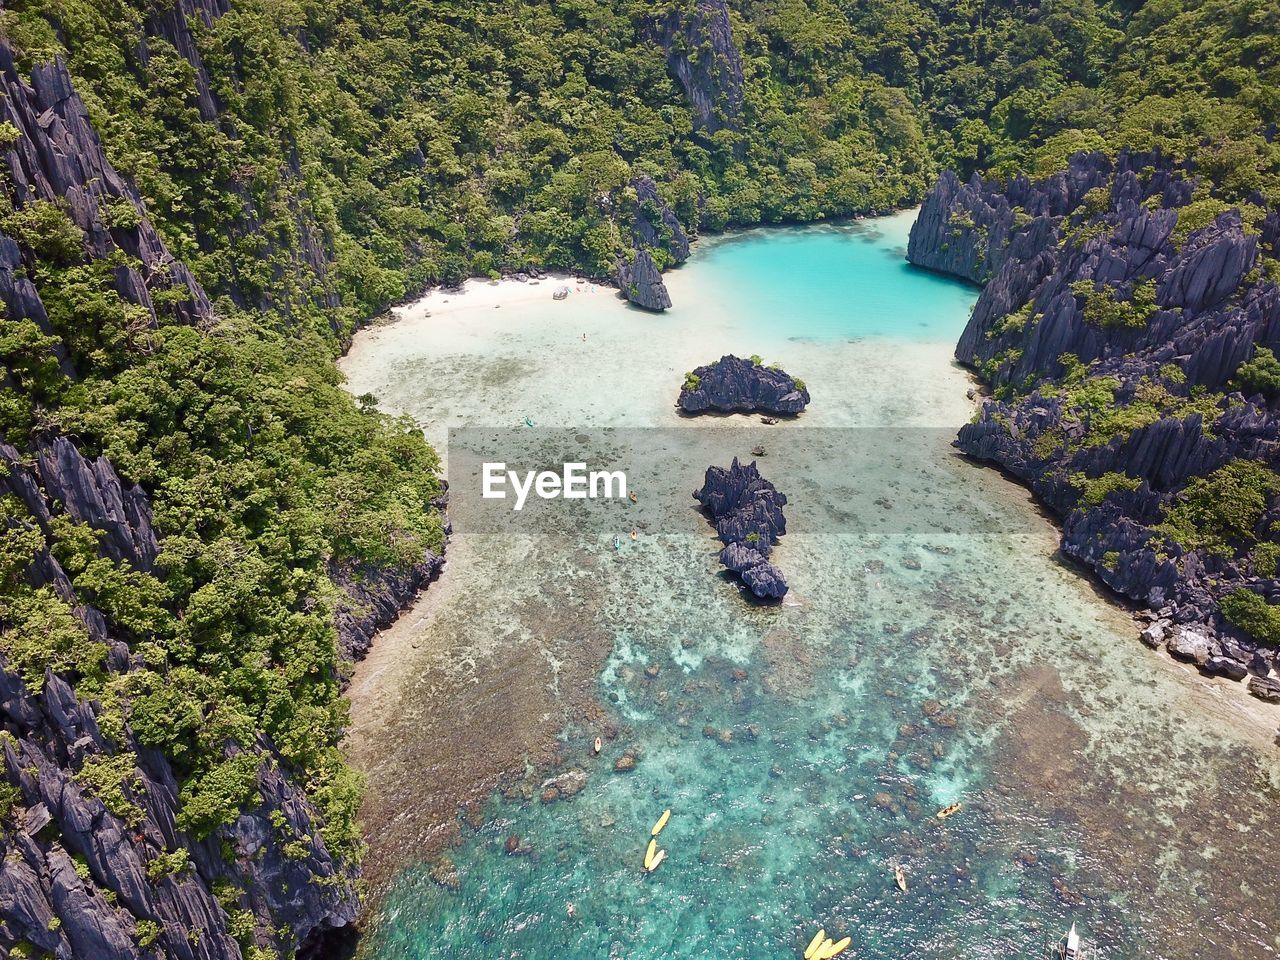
{"x":805,"y":749}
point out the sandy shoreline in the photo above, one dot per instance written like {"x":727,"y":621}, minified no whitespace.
{"x":506,"y":292}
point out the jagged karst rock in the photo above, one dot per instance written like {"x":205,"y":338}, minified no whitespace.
{"x":1036,"y":245}
{"x":92,"y":493}
{"x":374,"y":598}
{"x":656,"y":230}
{"x":747,"y":512}
{"x":45,"y":901}
{"x":712,"y":77}
{"x":51,"y":734}
{"x":655,"y":224}
{"x":641,"y":283}
{"x":59,"y":158}
{"x":733,"y":385}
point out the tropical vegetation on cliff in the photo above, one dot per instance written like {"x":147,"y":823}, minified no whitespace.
{"x":310,"y":163}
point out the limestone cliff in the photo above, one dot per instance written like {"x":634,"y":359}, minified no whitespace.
{"x":89,"y":873}
{"x":658,"y":241}
{"x":1121,"y":299}
{"x":86,"y":874}
{"x":698,"y":39}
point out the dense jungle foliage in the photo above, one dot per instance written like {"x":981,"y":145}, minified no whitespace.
{"x":432,"y":140}
{"x":362,"y":149}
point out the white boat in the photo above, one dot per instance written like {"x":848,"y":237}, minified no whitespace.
{"x":1070,"y":947}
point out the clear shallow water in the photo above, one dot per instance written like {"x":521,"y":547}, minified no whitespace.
{"x":832,"y":282}
{"x":803,"y":749}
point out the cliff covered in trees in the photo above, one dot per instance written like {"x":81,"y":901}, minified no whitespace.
{"x":1127,"y":329}
{"x":202,"y":198}
{"x":169,"y":677}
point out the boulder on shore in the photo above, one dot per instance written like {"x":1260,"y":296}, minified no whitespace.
{"x":734,"y":385}
{"x":641,"y":283}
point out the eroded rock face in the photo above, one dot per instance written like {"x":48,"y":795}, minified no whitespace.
{"x":74,"y":874}
{"x":657,"y":238}
{"x":703,"y":57}
{"x":1181,"y":310}
{"x":641,"y":283}
{"x":733,"y":385}
{"x":100,"y":909}
{"x":58,"y":157}
{"x":656,"y":225}
{"x":375,"y":598}
{"x":747,"y":512}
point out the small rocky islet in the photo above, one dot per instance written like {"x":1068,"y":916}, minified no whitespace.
{"x":747,"y":512}
{"x":735,"y":385}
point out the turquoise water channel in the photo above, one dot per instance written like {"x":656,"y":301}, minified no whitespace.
{"x":805,"y":749}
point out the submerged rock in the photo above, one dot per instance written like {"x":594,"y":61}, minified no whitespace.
{"x":747,"y":512}
{"x":567,"y":784}
{"x":734,"y":385}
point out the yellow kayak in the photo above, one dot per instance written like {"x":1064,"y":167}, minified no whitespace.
{"x":824,"y":951}
{"x":648,"y":854}
{"x":818,"y":939}
{"x":662,"y":822}
{"x":948,"y":811}
{"x":901,"y":876}
{"x":840,"y":946}
{"x":661,"y":855}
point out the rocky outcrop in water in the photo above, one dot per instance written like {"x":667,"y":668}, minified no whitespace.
{"x":1119,"y":306}
{"x":747,"y":512}
{"x":733,"y":385}
{"x":703,"y":57}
